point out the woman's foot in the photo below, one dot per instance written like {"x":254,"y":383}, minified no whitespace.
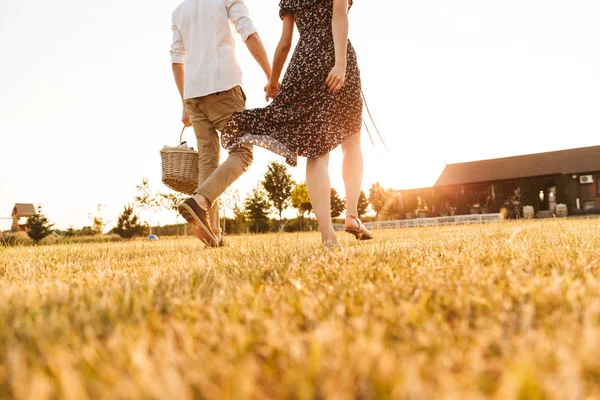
{"x":331,"y":246}
{"x":356,"y":228}
{"x":329,"y":240}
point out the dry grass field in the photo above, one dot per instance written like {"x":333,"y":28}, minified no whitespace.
{"x":506,"y":311}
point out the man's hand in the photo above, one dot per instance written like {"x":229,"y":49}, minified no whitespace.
{"x":271,"y":90}
{"x":336,"y":78}
{"x":185,"y":118}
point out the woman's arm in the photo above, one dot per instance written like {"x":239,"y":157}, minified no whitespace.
{"x":339,"y":26}
{"x":281,"y":54}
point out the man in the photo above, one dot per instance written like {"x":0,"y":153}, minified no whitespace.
{"x":208,"y":78}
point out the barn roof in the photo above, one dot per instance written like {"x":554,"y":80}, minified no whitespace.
{"x":23,"y":210}
{"x":572,"y":161}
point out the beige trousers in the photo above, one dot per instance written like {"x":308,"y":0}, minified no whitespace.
{"x":209,"y":114}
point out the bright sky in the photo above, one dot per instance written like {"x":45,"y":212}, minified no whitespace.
{"x":87,"y":97}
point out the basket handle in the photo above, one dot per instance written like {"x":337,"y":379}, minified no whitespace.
{"x":181,"y":136}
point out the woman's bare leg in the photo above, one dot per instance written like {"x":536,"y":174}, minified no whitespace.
{"x":352,"y":172}
{"x":319,"y":191}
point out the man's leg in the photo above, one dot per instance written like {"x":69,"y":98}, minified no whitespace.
{"x":219,"y":108}
{"x":209,"y":149}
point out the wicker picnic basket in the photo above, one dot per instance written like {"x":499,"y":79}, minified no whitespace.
{"x":180,"y":167}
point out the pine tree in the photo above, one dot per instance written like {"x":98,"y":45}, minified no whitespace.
{"x":127,"y":225}
{"x":38,"y":226}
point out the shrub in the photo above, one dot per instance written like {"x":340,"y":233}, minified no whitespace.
{"x":127,"y":225}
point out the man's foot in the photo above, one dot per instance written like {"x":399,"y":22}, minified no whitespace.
{"x":201,"y":235}
{"x":196,"y":215}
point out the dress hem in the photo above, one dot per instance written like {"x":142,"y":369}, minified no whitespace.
{"x":268,"y":142}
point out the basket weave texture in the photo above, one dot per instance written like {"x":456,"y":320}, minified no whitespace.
{"x":180,"y":169}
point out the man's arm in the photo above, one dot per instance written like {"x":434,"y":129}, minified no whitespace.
{"x":177,"y":59}
{"x":179,"y":74}
{"x":238,"y":15}
{"x":255,"y":45}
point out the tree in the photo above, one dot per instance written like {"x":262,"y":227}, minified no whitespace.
{"x":70,"y":232}
{"x":257,"y":209}
{"x":278,"y":184}
{"x":396,"y":208}
{"x":300,"y":200}
{"x":38,"y":226}
{"x":127,"y":225}
{"x":98,"y":222}
{"x":147,"y":199}
{"x":337,"y":204}
{"x":87,"y":231}
{"x":363,"y":204}
{"x":239,"y":220}
{"x":229,"y":201}
{"x":378,"y":198}
{"x":171,"y":201}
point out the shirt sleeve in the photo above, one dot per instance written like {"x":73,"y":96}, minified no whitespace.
{"x":177,"y":48}
{"x":239,"y":16}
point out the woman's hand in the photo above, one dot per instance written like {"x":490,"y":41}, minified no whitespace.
{"x":271,"y":90}
{"x":185,"y":118}
{"x":336,"y":78}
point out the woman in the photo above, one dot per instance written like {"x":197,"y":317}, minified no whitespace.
{"x":317,"y":107}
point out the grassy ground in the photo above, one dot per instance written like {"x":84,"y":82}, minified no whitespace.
{"x":506,"y":311}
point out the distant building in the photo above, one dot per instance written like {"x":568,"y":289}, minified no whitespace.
{"x":543,"y":180}
{"x":21,"y":210}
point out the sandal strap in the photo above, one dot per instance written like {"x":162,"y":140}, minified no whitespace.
{"x":358,"y":221}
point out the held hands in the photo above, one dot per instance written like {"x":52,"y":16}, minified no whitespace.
{"x":271,"y":90}
{"x":185,"y":118}
{"x":336,"y":78}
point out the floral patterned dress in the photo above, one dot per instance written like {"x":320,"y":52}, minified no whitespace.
{"x":304,"y":119}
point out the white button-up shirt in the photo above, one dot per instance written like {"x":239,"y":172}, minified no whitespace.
{"x":203,"y":41}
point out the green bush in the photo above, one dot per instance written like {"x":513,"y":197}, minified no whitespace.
{"x":301,"y":225}
{"x":128,"y":225}
{"x":15,"y":239}
{"x":21,"y":239}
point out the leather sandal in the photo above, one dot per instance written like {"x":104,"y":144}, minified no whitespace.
{"x":360,"y":233}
